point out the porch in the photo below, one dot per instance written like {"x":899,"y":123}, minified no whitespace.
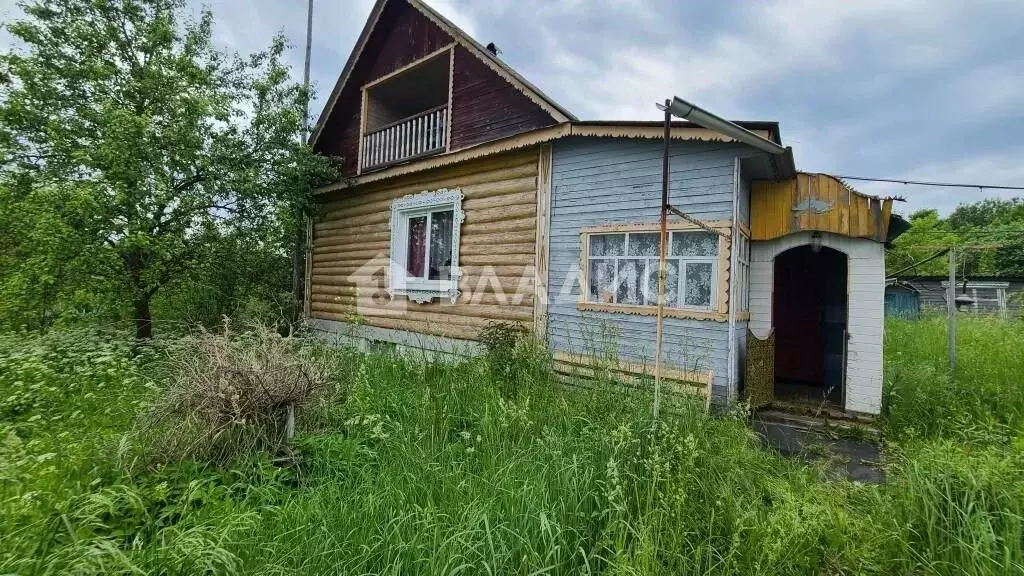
{"x":817,"y":281}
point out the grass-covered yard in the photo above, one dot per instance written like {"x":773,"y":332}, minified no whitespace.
{"x":439,"y":469}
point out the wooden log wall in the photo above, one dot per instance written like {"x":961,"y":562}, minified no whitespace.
{"x":497,"y":253}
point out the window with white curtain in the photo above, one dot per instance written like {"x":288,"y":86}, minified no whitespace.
{"x":622,"y":268}
{"x":425,"y":245}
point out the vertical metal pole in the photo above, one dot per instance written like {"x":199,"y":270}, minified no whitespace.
{"x":305,"y":77}
{"x":303,"y":270}
{"x":661,"y":261}
{"x":951,"y":310}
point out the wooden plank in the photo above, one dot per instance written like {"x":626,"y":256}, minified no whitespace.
{"x":362,"y":131}
{"x":544,"y":167}
{"x":502,"y":213}
{"x":651,"y":311}
{"x":485,"y":248}
{"x":360,"y":256}
{"x":354,"y":239}
{"x":352,"y":229}
{"x":475,"y":311}
{"x":350,"y":249}
{"x":527,"y":195}
{"x":368,"y":293}
{"x":511,"y":225}
{"x":718,"y":225}
{"x":451,"y":91}
{"x":376,"y":298}
{"x":497,"y":271}
{"x":518,"y":282}
{"x":458,"y":332}
{"x":814,"y":202}
{"x":505,"y":259}
{"x":377,"y":218}
{"x":724,"y":273}
{"x":502,"y":238}
{"x":702,"y":377}
{"x":346,"y":279}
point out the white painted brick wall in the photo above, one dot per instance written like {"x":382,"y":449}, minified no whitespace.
{"x":866,"y":286}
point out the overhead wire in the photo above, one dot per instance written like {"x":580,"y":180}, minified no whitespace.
{"x":927,"y":183}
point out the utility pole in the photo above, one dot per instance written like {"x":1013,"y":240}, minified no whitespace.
{"x":303,"y":232}
{"x":305,"y":77}
{"x":951,"y":310}
{"x":661,"y":261}
{"x":303,"y":239}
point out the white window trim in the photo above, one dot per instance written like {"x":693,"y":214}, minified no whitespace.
{"x":743,"y":273}
{"x":682,"y":261}
{"x":417,"y":289}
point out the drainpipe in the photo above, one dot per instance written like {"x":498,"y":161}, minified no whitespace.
{"x":781,"y":156}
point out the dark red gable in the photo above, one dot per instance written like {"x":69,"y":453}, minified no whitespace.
{"x":484,"y":106}
{"x":402,"y":36}
{"x":487,"y":107}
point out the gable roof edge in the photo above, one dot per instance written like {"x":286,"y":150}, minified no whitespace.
{"x":508,"y":73}
{"x":371,"y":23}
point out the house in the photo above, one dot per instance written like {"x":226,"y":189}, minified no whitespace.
{"x":980,"y":295}
{"x":469,"y":196}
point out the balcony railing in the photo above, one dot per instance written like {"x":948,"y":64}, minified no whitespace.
{"x":417,"y":135}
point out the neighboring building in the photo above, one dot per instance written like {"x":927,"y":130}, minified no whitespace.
{"x":470,"y":197}
{"x":985,"y":295}
{"x":902,"y":300}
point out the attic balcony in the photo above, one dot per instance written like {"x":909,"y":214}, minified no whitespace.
{"x":419,"y":135}
{"x":406,"y":114}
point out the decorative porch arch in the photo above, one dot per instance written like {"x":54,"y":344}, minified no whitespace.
{"x":865,"y":301}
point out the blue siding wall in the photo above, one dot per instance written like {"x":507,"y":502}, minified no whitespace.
{"x":618,"y":181}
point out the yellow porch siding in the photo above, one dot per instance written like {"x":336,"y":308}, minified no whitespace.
{"x":816,"y":202}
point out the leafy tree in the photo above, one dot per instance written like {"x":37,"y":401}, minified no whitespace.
{"x":47,"y":270}
{"x":990,"y":234}
{"x":996,"y":228}
{"x":928,"y":233}
{"x":165,"y":144}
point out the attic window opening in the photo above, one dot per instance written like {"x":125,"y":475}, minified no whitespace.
{"x":407,"y":114}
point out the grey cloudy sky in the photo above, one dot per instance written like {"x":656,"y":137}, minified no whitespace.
{"x":896,"y":88}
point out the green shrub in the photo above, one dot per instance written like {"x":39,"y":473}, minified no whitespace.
{"x":513,"y":356}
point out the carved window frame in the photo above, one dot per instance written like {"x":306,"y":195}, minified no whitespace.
{"x":399,"y":283}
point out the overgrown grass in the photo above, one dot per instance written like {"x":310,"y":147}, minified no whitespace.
{"x":985,"y":399}
{"x":447,"y":468}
